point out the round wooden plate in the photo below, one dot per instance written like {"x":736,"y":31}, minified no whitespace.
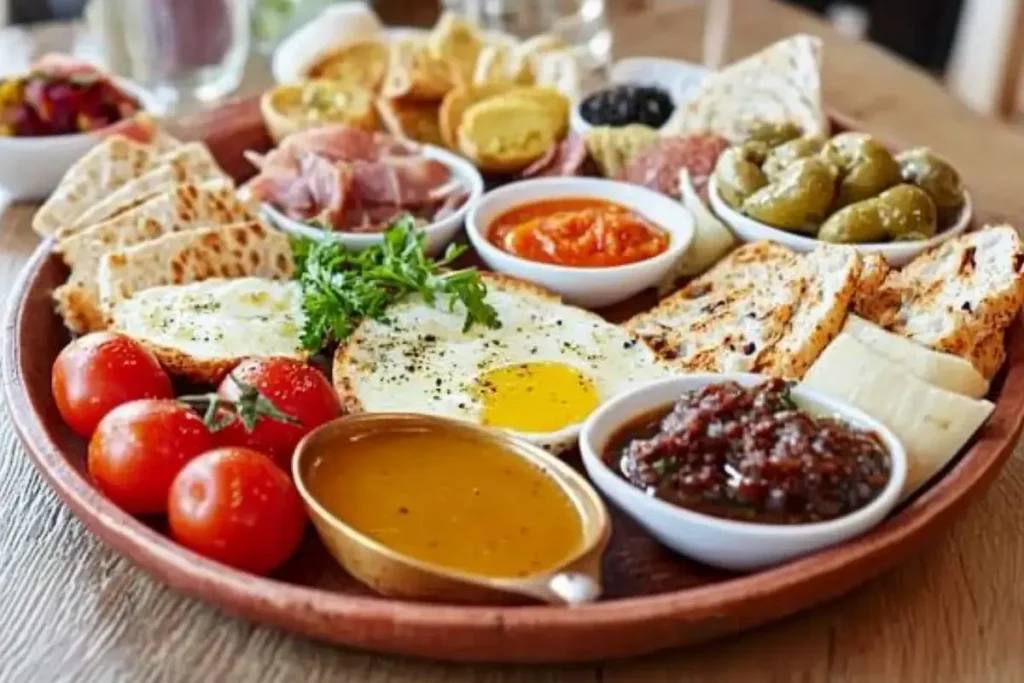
{"x":653,"y":600}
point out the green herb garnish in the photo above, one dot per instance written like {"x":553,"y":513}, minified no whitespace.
{"x":340,"y":286}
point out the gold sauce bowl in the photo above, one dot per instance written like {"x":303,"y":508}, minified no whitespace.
{"x":382,"y":457}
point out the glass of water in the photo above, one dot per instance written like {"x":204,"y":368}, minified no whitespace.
{"x":179,"y":49}
{"x":580,"y":23}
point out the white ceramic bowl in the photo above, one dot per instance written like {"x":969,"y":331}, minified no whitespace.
{"x":438,"y":234}
{"x":738,"y":546}
{"x":587,"y":287}
{"x":32,"y":167}
{"x":674,"y":76}
{"x":896,"y":253}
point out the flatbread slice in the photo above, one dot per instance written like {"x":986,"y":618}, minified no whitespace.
{"x":246,"y":249}
{"x":106,"y":167}
{"x":187,"y":207}
{"x":782,"y":83}
{"x":189,"y":163}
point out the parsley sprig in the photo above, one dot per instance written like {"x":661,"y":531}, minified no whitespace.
{"x":341,"y":286}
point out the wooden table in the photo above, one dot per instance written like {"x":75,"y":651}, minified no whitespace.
{"x":70,"y":609}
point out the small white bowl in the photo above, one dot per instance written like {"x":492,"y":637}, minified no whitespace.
{"x":32,"y":167}
{"x":587,"y":287}
{"x":674,"y":76}
{"x":896,"y":253}
{"x":438,"y":234}
{"x":738,"y":546}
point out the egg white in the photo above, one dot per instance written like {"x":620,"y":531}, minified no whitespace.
{"x":419,"y":359}
{"x":218,"y":318}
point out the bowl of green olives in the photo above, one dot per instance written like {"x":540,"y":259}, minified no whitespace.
{"x":848,"y":189}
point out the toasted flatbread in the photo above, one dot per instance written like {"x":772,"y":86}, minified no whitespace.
{"x":957,"y":295}
{"x":725,"y":320}
{"x":187,"y":207}
{"x":191,"y":163}
{"x":106,"y":167}
{"x":829,"y":276}
{"x":243,"y":249}
{"x":782,"y":83}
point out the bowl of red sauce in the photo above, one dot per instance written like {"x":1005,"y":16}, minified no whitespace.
{"x":595,"y":242}
{"x":743,"y":471}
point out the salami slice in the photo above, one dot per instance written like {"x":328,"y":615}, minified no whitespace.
{"x":658,"y":166}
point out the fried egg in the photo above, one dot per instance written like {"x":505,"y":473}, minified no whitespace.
{"x":202,"y":329}
{"x":539,"y":375}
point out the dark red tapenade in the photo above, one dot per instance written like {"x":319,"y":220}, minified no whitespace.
{"x":751,"y":455}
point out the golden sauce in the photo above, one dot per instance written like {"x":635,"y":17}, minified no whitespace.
{"x":577,"y":231}
{"x":447,"y":498}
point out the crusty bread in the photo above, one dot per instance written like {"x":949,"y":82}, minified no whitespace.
{"x":243,"y":249}
{"x":958,"y":297}
{"x":782,"y":83}
{"x":458,"y":100}
{"x":454,"y":41}
{"x":189,"y":163}
{"x":829,"y":276}
{"x":106,"y":167}
{"x":417,"y":121}
{"x":414,"y":74}
{"x":728,"y":318}
{"x":186,"y":207}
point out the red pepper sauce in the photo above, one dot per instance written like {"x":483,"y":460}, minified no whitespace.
{"x":577,"y":231}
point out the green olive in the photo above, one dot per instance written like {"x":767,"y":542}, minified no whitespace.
{"x":782,"y":156}
{"x":934,"y":175}
{"x":771,"y":133}
{"x":737,"y":176}
{"x":902,"y":213}
{"x":799,"y":198}
{"x":866,"y":167}
{"x":908,"y":209}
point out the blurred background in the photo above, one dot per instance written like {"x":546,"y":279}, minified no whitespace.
{"x":974,"y":45}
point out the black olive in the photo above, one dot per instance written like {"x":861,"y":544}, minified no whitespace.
{"x":625,"y":104}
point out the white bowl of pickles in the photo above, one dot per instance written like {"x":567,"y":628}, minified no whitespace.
{"x":846,"y":190}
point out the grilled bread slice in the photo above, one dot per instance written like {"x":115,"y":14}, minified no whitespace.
{"x":958,"y":297}
{"x":186,"y":207}
{"x":829,"y":276}
{"x":728,"y":318}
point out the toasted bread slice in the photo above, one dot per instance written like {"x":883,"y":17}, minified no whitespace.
{"x":247,"y":249}
{"x":960,"y":292}
{"x":414,"y":74}
{"x":189,"y":163}
{"x":829,"y":277}
{"x":418,"y":121}
{"x":455,"y":41}
{"x":187,"y":207}
{"x":728,"y":318}
{"x":106,"y":167}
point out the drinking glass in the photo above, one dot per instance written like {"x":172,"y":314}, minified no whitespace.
{"x":580,"y":23}
{"x":179,"y":49}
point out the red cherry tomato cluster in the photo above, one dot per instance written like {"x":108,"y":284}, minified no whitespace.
{"x":223,"y":482}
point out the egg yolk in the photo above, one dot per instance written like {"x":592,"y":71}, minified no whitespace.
{"x":536,"y":397}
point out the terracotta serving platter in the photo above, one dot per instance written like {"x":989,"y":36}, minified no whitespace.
{"x":653,"y":598}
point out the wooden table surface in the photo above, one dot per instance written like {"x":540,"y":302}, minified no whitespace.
{"x":72,"y":610}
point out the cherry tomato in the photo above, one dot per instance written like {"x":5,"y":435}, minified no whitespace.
{"x":236,"y":506}
{"x":296,"y":389}
{"x":139,"y":447}
{"x":98,"y":372}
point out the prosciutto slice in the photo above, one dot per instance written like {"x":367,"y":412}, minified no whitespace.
{"x":567,"y":158}
{"x":346,"y":178}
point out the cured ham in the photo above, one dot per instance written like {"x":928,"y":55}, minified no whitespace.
{"x":658,"y":166}
{"x":345,"y":178}
{"x":567,"y":158}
